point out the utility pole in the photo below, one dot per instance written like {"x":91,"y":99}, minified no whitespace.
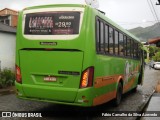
{"x":158,"y":2}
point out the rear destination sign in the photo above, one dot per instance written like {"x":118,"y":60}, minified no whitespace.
{"x":59,"y":23}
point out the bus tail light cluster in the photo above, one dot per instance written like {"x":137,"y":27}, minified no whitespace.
{"x":18,"y":75}
{"x":87,"y":78}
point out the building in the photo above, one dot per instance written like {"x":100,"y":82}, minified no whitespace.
{"x":155,"y":41}
{"x":7,"y":46}
{"x":9,"y":17}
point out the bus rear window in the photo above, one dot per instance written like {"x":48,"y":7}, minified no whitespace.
{"x":52,"y":23}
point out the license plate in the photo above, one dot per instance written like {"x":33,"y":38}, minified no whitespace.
{"x":50,"y":79}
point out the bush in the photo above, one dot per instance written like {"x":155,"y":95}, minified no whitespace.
{"x":7,"y":78}
{"x":156,"y":57}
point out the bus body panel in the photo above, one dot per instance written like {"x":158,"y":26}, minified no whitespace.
{"x":54,"y":69}
{"x":109,"y":71}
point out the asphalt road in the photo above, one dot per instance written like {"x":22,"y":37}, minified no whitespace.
{"x":130,"y":102}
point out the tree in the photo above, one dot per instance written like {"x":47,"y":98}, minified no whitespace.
{"x":156,"y":57}
{"x":152,"y":50}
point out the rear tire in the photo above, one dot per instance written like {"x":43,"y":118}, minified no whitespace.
{"x":118,"y":95}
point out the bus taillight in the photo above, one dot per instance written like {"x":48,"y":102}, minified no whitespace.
{"x":87,"y":78}
{"x":18,"y":75}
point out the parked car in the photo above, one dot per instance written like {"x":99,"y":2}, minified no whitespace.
{"x":156,"y":65}
{"x":152,"y":64}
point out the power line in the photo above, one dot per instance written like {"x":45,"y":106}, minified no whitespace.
{"x":151,"y":9}
{"x":155,"y":13}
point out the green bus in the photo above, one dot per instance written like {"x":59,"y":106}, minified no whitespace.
{"x":73,"y":54}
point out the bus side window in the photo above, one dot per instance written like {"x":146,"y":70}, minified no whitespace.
{"x":106,"y":39}
{"x":125,"y":45}
{"x":139,"y":51}
{"x":101,"y":37}
{"x":128,"y":47}
{"x":136,"y":50}
{"x":111,"y":42}
{"x":97,"y":35}
{"x":116,"y":38}
{"x":121,"y":47}
{"x":132,"y":48}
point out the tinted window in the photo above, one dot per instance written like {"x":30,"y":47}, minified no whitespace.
{"x":116,"y":37}
{"x":97,"y":35}
{"x":125,"y":45}
{"x":132,"y":48}
{"x":128,"y":46}
{"x":136,"y":50}
{"x":111,"y":42}
{"x":121,"y":49}
{"x":139,"y":51}
{"x":101,"y":37}
{"x":106,"y":39}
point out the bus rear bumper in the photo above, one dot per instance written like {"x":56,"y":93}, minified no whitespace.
{"x":83,"y":97}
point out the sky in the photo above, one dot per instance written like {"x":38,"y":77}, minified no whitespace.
{"x":126,"y":13}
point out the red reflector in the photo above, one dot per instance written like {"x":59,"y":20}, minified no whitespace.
{"x":87,"y":78}
{"x":18,"y":75}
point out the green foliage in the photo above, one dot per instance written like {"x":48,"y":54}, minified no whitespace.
{"x":152,"y":51}
{"x":7,"y":78}
{"x":156,"y":57}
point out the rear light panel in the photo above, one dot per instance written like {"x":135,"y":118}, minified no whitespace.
{"x":87,"y":78}
{"x":18,"y":75}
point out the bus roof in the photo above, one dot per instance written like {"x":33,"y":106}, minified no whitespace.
{"x":55,"y":5}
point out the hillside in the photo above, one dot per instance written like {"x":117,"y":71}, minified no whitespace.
{"x":146,"y":33}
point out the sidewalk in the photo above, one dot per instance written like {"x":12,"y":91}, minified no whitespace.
{"x":154,"y":104}
{"x":8,"y":90}
{"x":153,"y":108}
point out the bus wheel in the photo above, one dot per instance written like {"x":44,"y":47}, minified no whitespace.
{"x":118,"y":95}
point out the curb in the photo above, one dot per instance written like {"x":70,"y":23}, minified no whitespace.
{"x":144,"y":105}
{"x":7,"y":91}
